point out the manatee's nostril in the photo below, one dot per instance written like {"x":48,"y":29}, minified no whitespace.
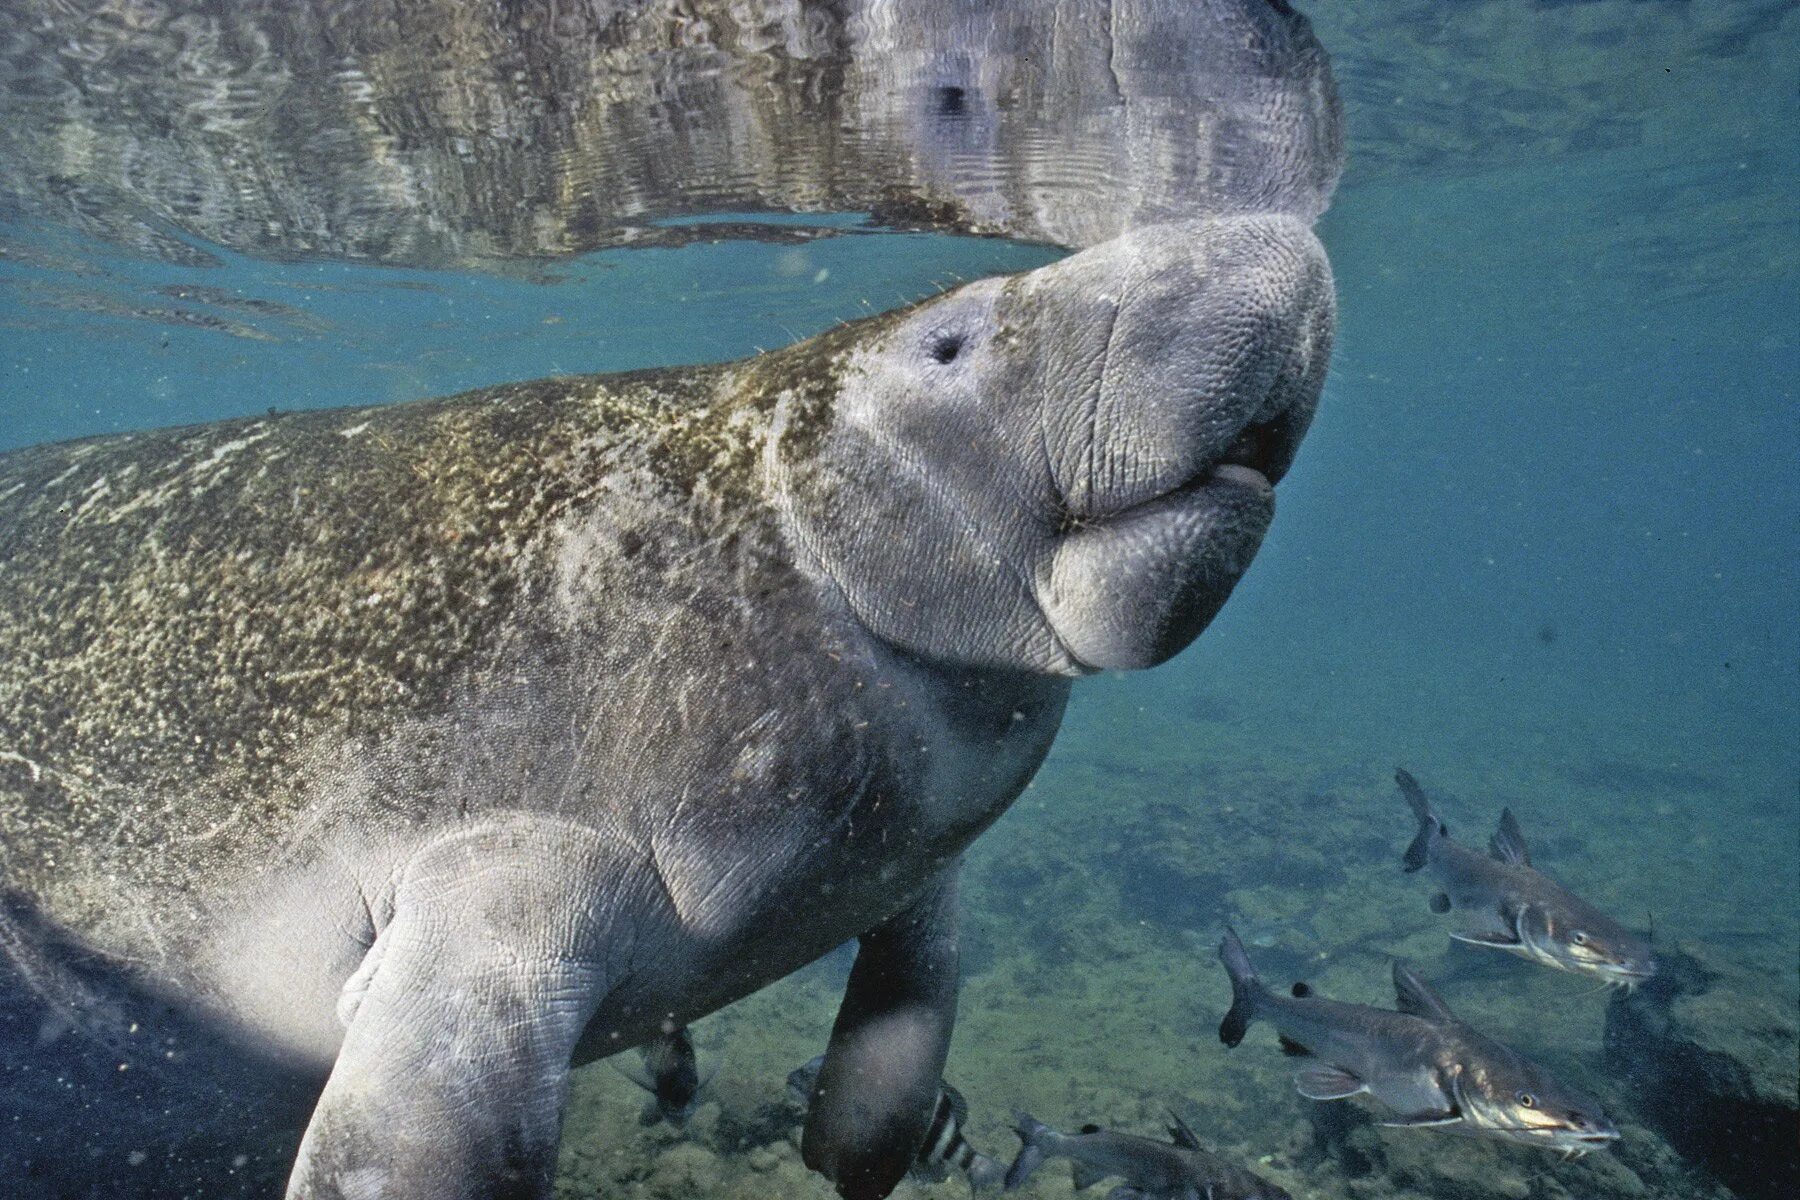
{"x":945,"y":349}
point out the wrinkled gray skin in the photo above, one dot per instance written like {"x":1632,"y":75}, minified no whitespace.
{"x":427,"y":750}
{"x":1432,"y":1069}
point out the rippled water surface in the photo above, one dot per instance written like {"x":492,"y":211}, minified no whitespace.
{"x":1540,"y":546}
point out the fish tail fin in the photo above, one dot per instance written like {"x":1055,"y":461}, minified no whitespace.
{"x":1246,"y":989}
{"x":1430,"y":826}
{"x":1035,"y":1136}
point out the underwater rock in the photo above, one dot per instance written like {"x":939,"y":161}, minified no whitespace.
{"x":1351,"y":1156}
{"x":1709,"y":1050}
{"x":685,"y":1169}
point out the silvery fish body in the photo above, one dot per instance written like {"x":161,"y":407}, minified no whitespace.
{"x":1151,"y":1170}
{"x":1513,"y":906}
{"x":1424,"y":1063}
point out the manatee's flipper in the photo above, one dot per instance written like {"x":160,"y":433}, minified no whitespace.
{"x":878,"y":1088}
{"x":1327,"y":1083}
{"x":460,"y":1024}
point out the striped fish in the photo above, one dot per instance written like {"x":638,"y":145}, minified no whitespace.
{"x":944,"y":1147}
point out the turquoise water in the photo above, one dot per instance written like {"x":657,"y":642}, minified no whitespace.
{"x":1542,"y":547}
{"x":100,"y":342}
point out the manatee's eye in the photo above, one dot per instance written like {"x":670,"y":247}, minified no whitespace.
{"x":1526,"y":1100}
{"x":945,"y":347}
{"x":1579,"y":938}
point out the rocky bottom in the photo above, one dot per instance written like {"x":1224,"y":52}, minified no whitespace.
{"x":1092,"y":993}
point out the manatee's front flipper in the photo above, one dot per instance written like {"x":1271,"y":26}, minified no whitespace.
{"x":460,"y":1023}
{"x":878,"y":1087}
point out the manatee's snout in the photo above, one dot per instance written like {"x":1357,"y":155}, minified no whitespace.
{"x":1068,"y":470}
{"x":1211,"y":344}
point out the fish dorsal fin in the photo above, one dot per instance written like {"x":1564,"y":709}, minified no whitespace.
{"x":1416,"y":998}
{"x":1181,"y":1135}
{"x":1508,"y":842}
{"x":959,"y":1108}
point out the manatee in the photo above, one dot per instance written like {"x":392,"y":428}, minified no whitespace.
{"x":362,"y":771}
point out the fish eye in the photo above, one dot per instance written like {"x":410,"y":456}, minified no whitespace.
{"x":1579,"y":938}
{"x":1526,"y":1100}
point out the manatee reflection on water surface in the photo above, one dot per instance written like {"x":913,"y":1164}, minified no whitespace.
{"x":446,"y":131}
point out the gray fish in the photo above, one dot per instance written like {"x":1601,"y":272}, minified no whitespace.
{"x":944,"y":1146}
{"x":1425,"y":1064}
{"x":671,"y":1074}
{"x":1151,"y":1170}
{"x":1515,"y":907}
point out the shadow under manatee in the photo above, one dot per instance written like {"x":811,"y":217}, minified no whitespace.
{"x":110,"y":1090}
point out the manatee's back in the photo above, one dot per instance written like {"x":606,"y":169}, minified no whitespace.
{"x":185,"y":612}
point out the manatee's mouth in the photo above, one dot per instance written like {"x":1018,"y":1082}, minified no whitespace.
{"x":1265,"y":447}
